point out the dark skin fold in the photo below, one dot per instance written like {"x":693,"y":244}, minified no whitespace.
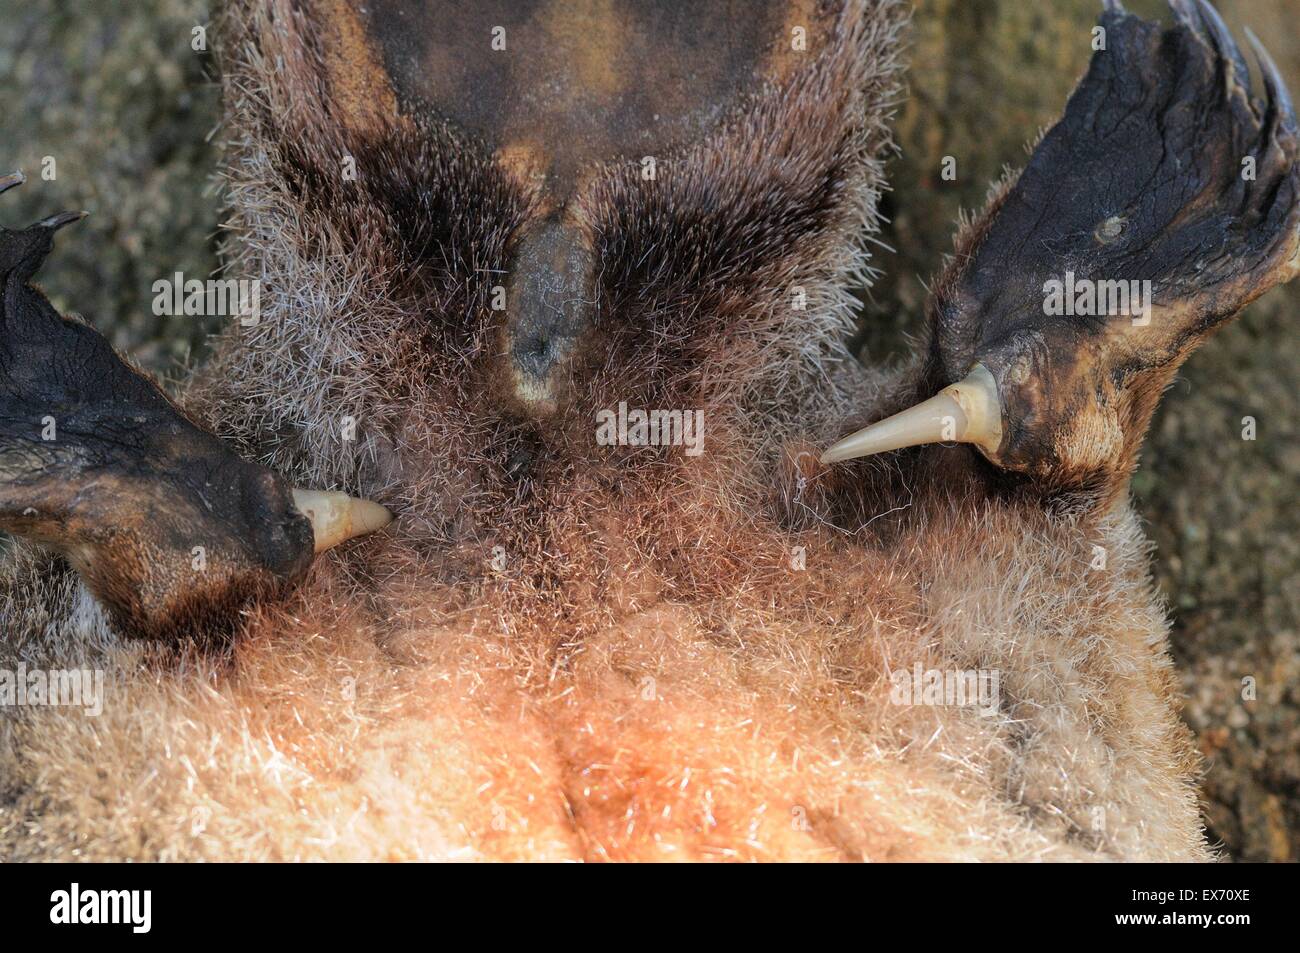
{"x":170,"y":529}
{"x":582,"y":81}
{"x":1147,"y":177}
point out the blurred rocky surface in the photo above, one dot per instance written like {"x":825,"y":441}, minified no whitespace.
{"x":113,"y":101}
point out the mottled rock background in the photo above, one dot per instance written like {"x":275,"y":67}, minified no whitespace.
{"x":116,"y":94}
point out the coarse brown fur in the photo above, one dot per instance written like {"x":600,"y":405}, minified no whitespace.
{"x":564,"y":651}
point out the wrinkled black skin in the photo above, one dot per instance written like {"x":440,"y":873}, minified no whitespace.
{"x":1153,"y":136}
{"x":129,"y":485}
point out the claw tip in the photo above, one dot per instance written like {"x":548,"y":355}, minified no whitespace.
{"x":336,"y":517}
{"x":1274,"y":84}
{"x":55,"y":222}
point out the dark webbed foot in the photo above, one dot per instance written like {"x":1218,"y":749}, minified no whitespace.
{"x":170,"y":529}
{"x":1164,"y":201}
